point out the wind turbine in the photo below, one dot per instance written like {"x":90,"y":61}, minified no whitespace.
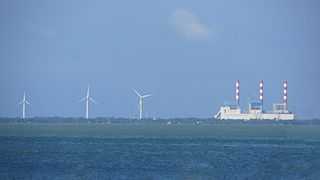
{"x":24,"y":102}
{"x":141,"y":98}
{"x":87,"y":98}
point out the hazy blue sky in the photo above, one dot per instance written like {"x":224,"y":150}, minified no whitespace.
{"x":188,"y":54}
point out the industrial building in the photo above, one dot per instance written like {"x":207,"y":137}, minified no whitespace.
{"x":255,"y":109}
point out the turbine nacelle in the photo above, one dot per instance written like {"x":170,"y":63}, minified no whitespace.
{"x":141,"y":96}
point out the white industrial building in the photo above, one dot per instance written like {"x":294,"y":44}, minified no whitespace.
{"x":255,"y":109}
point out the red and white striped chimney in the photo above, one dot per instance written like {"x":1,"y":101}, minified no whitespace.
{"x":238,"y":92}
{"x":285,"y":93}
{"x":261,"y":91}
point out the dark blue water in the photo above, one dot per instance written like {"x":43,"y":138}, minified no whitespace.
{"x":157,"y":158}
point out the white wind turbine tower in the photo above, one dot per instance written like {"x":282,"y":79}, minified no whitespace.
{"x":87,"y":98}
{"x":141,"y":98}
{"x":24,"y":102}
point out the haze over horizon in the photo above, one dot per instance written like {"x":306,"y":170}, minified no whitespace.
{"x":187,"y":54}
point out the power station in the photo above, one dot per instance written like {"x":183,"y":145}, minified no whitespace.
{"x":255,"y":109}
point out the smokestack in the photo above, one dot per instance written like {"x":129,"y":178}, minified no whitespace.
{"x":238,"y":92}
{"x":261,"y":92}
{"x":285,"y":93}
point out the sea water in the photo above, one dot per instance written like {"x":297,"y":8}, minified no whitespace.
{"x":68,"y":152}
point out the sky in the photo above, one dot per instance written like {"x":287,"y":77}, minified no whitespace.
{"x":187,"y":54}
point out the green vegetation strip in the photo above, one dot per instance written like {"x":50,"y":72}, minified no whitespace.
{"x":160,"y":130}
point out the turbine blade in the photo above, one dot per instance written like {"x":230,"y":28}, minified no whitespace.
{"x":92,"y":100}
{"x":145,"y":96}
{"x":27,"y":102}
{"x":136,"y":92}
{"x":88,"y":91}
{"x":83,"y":99}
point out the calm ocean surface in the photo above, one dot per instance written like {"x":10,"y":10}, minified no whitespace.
{"x":24,"y":155}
